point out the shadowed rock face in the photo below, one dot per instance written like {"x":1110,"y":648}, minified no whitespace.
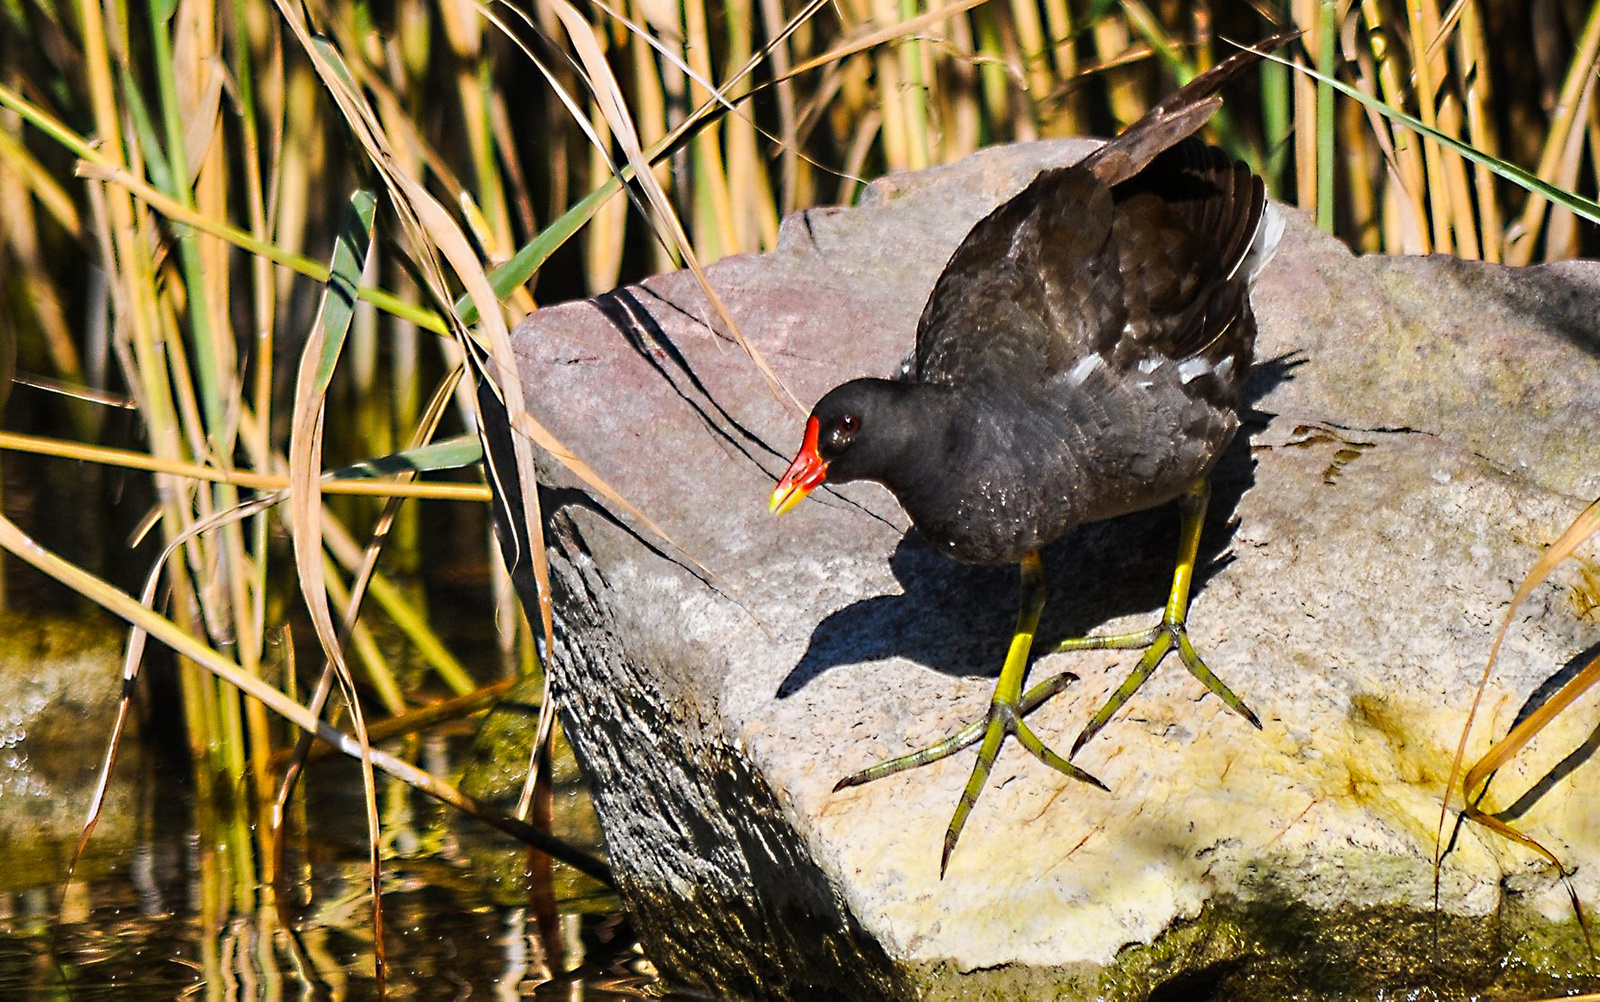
{"x":1421,"y":428}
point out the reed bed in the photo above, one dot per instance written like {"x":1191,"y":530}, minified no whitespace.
{"x":176,"y":179}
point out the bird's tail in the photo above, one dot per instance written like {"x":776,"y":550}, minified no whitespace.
{"x":1176,"y":118}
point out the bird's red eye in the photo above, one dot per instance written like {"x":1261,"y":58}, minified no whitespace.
{"x":841,"y":433}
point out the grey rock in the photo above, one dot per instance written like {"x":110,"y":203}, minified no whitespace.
{"x":1423,"y":428}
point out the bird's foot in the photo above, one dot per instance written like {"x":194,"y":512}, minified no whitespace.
{"x":1003,"y":719}
{"x":963,"y":738}
{"x":1006,"y":709}
{"x":1156,"y":642}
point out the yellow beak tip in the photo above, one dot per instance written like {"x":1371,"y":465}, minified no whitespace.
{"x":783,"y":499}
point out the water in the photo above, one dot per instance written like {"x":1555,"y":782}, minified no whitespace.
{"x":161,"y":912}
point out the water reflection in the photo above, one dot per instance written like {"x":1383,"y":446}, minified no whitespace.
{"x":160,"y":912}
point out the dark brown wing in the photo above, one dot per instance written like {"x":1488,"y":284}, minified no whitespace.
{"x":1183,"y":229}
{"x":1132,"y":254}
{"x":1033,"y":288}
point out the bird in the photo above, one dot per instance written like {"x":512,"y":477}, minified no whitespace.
{"x":1080,"y":357}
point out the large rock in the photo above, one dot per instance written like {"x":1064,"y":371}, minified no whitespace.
{"x":1422,"y":428}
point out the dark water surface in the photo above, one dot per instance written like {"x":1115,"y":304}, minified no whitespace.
{"x":168,"y":903}
{"x":159,"y":912}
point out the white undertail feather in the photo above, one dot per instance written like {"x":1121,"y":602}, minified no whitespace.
{"x":1191,"y":369}
{"x":1265,"y":244}
{"x":1081,"y":371}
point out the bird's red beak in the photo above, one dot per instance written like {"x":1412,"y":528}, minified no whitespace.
{"x":803,"y":475}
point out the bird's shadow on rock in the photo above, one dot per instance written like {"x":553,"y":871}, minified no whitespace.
{"x":957,"y":619}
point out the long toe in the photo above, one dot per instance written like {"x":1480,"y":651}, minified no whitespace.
{"x":1197,"y":668}
{"x":1045,"y":754}
{"x":1002,"y":721}
{"x":966,"y":737}
{"x":1169,"y":635}
{"x":922,"y":756}
{"x":1160,"y":644}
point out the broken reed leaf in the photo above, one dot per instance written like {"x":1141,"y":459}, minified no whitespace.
{"x":317,"y":360}
{"x":429,"y":229}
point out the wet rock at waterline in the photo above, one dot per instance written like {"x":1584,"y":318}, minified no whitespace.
{"x":1423,"y":428}
{"x":494,"y":772}
{"x":60,"y":678}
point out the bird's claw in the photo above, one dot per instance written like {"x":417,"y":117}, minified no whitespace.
{"x":1157,"y":642}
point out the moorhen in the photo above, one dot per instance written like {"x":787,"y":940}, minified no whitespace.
{"x":1080,"y":357}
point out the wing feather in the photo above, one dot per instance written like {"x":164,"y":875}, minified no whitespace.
{"x":1032,"y":289}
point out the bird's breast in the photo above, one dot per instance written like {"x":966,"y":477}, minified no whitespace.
{"x":1014,"y":475}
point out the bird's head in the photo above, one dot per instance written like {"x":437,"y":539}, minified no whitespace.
{"x":850,"y":435}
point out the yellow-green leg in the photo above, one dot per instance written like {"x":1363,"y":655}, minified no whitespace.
{"x":1171,"y":632}
{"x":1006,"y":710}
